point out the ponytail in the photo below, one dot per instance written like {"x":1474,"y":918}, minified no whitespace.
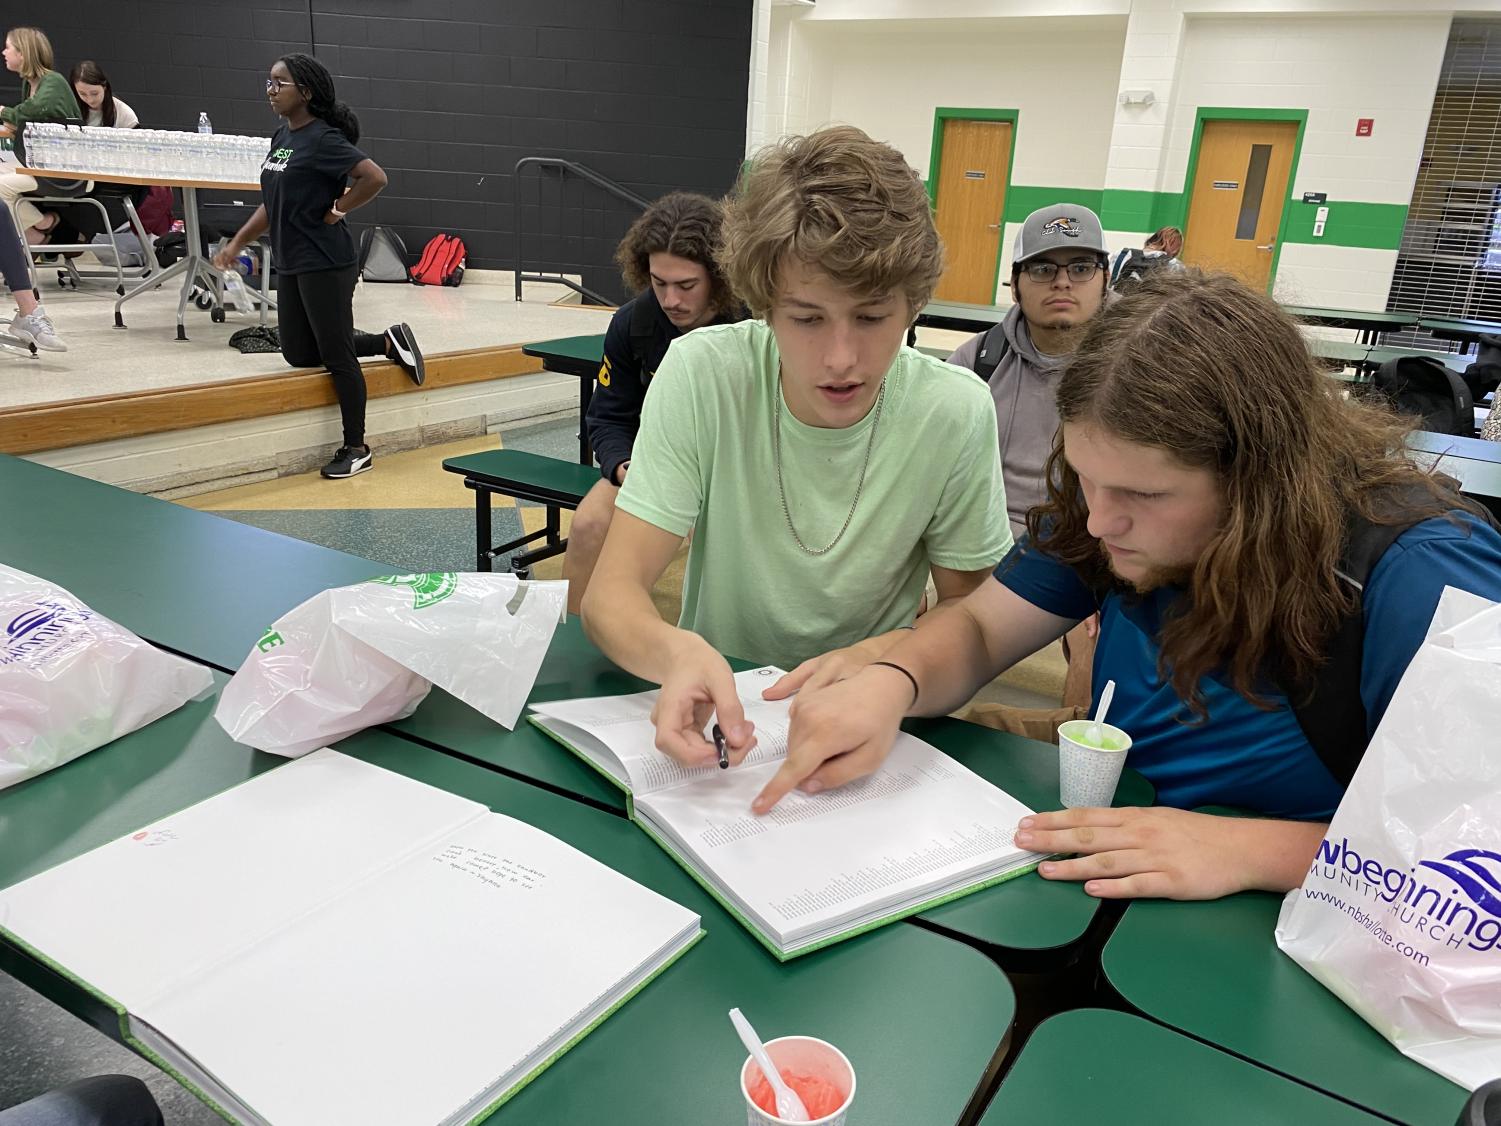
{"x":316,"y":82}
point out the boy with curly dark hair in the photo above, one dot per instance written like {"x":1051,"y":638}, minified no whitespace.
{"x":667,"y":259}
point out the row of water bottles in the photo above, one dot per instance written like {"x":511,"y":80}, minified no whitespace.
{"x":145,"y":152}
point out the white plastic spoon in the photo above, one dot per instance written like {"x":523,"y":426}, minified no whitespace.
{"x":789,"y":1105}
{"x":1096,"y":736}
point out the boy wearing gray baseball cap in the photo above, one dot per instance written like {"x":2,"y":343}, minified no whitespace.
{"x":1058,"y":282}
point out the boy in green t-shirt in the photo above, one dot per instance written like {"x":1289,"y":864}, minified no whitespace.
{"x":823,"y":468}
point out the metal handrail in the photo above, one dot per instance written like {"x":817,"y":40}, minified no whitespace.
{"x":584,"y":173}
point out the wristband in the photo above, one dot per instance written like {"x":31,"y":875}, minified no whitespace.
{"x":916,"y":691}
{"x":334,"y":207}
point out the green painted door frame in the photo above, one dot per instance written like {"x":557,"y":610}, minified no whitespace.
{"x":935,"y":163}
{"x":1223,"y":113}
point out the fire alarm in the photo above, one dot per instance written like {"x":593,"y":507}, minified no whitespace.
{"x":1363,"y":126}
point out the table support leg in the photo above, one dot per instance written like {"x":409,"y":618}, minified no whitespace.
{"x":482,"y":541}
{"x":586,"y":392}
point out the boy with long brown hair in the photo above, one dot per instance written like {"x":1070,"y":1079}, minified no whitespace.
{"x":822,"y":467}
{"x":1265,"y":561}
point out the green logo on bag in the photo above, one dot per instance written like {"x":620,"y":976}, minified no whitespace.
{"x":426,"y":589}
{"x":270,"y":640}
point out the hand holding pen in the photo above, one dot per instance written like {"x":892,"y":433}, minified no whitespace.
{"x":719,"y":748}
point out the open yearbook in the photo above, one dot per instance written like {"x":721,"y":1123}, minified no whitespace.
{"x":333,"y":942}
{"x":818,"y":868}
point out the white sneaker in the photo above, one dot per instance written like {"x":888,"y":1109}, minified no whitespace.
{"x":36,"y":328}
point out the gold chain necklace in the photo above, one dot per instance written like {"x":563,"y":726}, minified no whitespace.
{"x":776,"y":449}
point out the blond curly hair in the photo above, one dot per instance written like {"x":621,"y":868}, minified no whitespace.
{"x":844,"y":204}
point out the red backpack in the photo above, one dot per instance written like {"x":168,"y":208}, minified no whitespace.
{"x":441,"y":263}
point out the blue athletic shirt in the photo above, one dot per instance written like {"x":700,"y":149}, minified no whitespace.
{"x":1243,"y":755}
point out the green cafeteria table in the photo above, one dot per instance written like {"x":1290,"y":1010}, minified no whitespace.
{"x":1462,"y":329}
{"x":1369,"y":323}
{"x":190,"y":581}
{"x":1097,"y":1065}
{"x":1213,"y":971}
{"x":580,"y":357}
{"x":961,"y":316}
{"x":1033,"y":923}
{"x":1474,"y":462}
{"x":207,"y":587}
{"x":920,"y":1015}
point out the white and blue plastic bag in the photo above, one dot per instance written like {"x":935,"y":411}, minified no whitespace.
{"x":1400,"y":914}
{"x":72,"y":680}
{"x":357,"y":656}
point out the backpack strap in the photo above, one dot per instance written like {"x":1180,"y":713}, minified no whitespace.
{"x":421,"y":272}
{"x":993,"y":349}
{"x":451,"y":269}
{"x":1333,"y":715}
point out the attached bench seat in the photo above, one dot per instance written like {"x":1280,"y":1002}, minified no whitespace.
{"x":514,"y":473}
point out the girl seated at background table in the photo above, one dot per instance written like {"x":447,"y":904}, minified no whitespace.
{"x":96,"y":97}
{"x":28,"y":52}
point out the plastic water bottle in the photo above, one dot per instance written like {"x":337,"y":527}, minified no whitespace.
{"x":204,"y":124}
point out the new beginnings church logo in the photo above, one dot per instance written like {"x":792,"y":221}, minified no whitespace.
{"x":1478,"y":874}
{"x":1469,"y":917}
{"x":43,"y":632}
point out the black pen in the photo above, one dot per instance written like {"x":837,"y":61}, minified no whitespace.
{"x":724,"y":756}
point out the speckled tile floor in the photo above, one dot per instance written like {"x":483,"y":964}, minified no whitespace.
{"x":407,"y":511}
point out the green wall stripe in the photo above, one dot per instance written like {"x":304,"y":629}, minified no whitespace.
{"x":1022,"y":199}
{"x":1373,"y":226}
{"x":1125,"y":210}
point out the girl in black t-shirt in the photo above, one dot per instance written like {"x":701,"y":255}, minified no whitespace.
{"x":313,"y":177}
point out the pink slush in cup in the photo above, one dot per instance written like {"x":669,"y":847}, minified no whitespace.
{"x":819,"y":1073}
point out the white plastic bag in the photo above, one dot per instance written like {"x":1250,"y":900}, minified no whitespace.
{"x":72,"y":680}
{"x":1400,"y":915}
{"x":357,"y":656}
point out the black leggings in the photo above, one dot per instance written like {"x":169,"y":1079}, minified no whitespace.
{"x":13,"y":254}
{"x":315,"y":313}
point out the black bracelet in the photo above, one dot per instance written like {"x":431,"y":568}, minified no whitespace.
{"x":916,"y":691}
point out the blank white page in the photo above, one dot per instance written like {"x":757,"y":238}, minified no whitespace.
{"x":404,"y":1000}
{"x":142,"y":913}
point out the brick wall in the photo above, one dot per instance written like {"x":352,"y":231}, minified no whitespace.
{"x":451,"y":93}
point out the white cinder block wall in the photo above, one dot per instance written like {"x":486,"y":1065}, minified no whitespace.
{"x":889,"y":77}
{"x":885,"y":65}
{"x":1339,"y":69}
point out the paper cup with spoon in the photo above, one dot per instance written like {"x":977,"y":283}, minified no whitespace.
{"x":811,"y":1081}
{"x":1091,"y":755}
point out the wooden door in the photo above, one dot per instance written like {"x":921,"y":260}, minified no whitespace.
{"x":1239,"y":189}
{"x":971,"y":200}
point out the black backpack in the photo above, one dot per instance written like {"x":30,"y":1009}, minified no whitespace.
{"x":1137,"y":266}
{"x":1329,"y":709}
{"x":1484,"y":375}
{"x":993,"y":349}
{"x":1423,"y":386}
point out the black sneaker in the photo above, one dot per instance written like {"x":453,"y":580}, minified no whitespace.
{"x":348,"y":462}
{"x":405,"y":352}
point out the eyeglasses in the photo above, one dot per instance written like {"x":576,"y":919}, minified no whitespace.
{"x":275,"y":85}
{"x":1079,"y":270}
